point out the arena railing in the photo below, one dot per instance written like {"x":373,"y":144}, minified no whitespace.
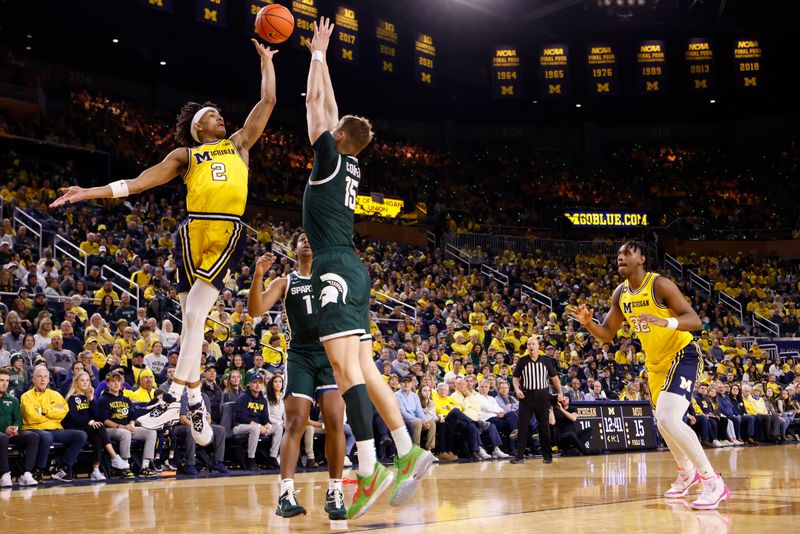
{"x":282,"y":250}
{"x":494,"y":274}
{"x":551,"y":247}
{"x":108,"y":273}
{"x":2,"y":208}
{"x":23,"y":219}
{"x":733,"y":304}
{"x":71,"y":251}
{"x":458,"y":254}
{"x":412,"y":314}
{"x":762,"y":322}
{"x":672,"y":263}
{"x":537,"y":296}
{"x":701,"y":283}
{"x":771,"y":349}
{"x":431,"y":239}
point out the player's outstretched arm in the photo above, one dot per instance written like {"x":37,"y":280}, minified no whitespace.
{"x":666,"y":292}
{"x":260,"y":114}
{"x":330,"y":107}
{"x":260,"y":300}
{"x":171,"y":166}
{"x":604,"y":332}
{"x":318,"y":121}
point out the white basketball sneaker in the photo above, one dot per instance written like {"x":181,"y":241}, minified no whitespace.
{"x":202,"y":432}
{"x":164,"y":412}
{"x":714,"y":492}
{"x":683,"y":483}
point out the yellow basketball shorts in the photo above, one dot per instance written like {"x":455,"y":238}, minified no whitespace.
{"x":209,"y":248}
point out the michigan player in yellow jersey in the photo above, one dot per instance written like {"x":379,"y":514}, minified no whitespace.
{"x":210,"y":241}
{"x":663,"y":321}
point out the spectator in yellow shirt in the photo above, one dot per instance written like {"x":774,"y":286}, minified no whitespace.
{"x":141,"y":278}
{"x":107,"y":289}
{"x":146,"y":390}
{"x":754,"y":405}
{"x":43,"y":410}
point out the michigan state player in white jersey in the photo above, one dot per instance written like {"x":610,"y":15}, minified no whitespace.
{"x":309,"y":376}
{"x":342,"y":286}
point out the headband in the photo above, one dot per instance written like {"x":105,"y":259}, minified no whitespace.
{"x":196,"y":119}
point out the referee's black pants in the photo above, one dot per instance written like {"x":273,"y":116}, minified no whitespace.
{"x":537,"y":402}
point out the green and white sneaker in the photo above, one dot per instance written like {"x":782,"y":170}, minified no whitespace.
{"x":368,"y":490}
{"x":288,"y":505}
{"x":410,"y":470}
{"x":334,"y":505}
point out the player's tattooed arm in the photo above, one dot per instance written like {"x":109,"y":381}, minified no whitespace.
{"x":665,"y":292}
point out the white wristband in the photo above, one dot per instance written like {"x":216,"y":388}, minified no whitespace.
{"x":672,"y":323}
{"x":119,"y":189}
{"x":317,"y":55}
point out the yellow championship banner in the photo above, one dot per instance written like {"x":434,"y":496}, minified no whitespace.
{"x":700,"y":59}
{"x":211,"y":12}
{"x":607,"y":218}
{"x":253,"y":7}
{"x":554,"y":70}
{"x":601,"y":60}
{"x":345,"y":35}
{"x":386,"y":33}
{"x":651,"y":62}
{"x":506,"y":74}
{"x":378,"y":205}
{"x":425,"y":59}
{"x":747,"y":56}
{"x":305,"y":13}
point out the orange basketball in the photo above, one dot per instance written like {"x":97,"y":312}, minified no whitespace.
{"x":274,"y":23}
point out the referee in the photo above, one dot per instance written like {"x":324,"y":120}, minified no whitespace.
{"x":532,"y":377}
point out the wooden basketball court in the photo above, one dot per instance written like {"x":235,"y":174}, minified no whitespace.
{"x":614,"y":493}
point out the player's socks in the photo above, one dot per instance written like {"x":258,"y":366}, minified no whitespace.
{"x":402,"y":440}
{"x":176,"y":390}
{"x":366,"y":457}
{"x":195,"y":395}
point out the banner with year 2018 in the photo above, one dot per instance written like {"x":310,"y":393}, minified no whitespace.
{"x":345,"y":35}
{"x":601,"y":60}
{"x":305,"y":14}
{"x":700,"y":61}
{"x":254,"y":6}
{"x":651,"y":65}
{"x":425,"y":60}
{"x":211,"y":12}
{"x":554,"y":70}
{"x":506,"y":75}
{"x":387,"y":37}
{"x":747,"y":57}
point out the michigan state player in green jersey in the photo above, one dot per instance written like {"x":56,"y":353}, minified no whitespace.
{"x":308,"y":376}
{"x":342,"y":286}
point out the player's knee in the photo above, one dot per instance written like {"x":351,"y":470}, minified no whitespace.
{"x":194,"y":319}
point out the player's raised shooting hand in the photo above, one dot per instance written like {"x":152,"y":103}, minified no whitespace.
{"x":263,"y":263}
{"x":265,"y":52}
{"x":70,"y":194}
{"x":583,"y":314}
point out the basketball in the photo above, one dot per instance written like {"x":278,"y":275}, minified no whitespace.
{"x":274,"y":23}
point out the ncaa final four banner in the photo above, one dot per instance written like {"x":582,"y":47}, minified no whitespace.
{"x":747,"y":57}
{"x":166,"y":6}
{"x":506,"y":75}
{"x":253,"y":7}
{"x":425,"y":60}
{"x":554,"y":70}
{"x":651,"y":64}
{"x":700,"y":61}
{"x":210,"y":12}
{"x":305,"y":13}
{"x":345,"y":36}
{"x":601,"y":60}
{"x":387,"y":37}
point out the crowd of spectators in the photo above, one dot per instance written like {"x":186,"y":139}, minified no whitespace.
{"x":79,"y":348}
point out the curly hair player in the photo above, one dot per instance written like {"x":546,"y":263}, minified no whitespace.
{"x":342,"y":286}
{"x":663,"y":319}
{"x":211,"y":239}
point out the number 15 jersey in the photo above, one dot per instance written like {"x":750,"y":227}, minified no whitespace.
{"x":660,"y":344}
{"x":329,"y":200}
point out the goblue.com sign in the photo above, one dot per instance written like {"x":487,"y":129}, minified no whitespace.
{"x":605,"y":218}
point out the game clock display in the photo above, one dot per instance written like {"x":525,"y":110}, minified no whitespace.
{"x":618,"y":426}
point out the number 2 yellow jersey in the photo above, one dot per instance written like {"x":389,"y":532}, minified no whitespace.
{"x":216,"y":180}
{"x":660,"y":344}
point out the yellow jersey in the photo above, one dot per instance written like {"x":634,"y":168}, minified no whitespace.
{"x":659,"y":344}
{"x":216,"y":179}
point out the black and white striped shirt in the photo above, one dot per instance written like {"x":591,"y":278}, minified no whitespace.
{"x":535,"y":374}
